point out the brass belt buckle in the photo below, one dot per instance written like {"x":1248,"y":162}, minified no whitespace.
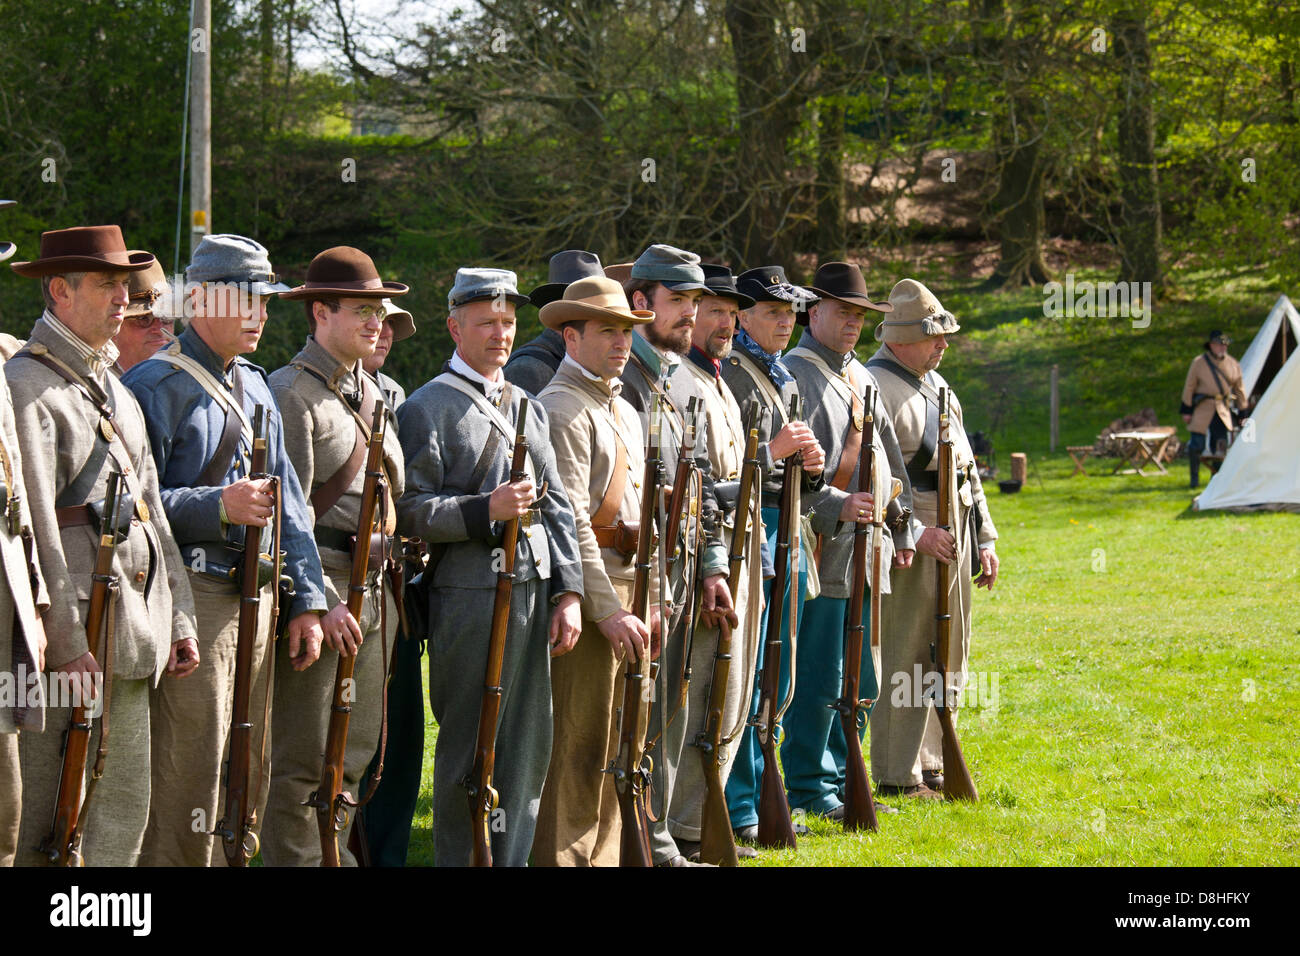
{"x":526,"y":519}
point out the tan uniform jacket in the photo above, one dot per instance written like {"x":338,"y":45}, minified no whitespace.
{"x":583,"y":416}
{"x":319,"y":435}
{"x":1200,"y":380}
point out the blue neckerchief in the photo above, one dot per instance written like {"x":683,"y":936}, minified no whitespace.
{"x":776,"y":370}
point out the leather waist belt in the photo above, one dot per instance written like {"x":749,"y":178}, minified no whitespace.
{"x":92,"y":513}
{"x":338,"y":540}
{"x":621,"y":537}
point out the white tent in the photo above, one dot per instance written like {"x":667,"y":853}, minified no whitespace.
{"x":1262,"y":469}
{"x":1271,"y":347}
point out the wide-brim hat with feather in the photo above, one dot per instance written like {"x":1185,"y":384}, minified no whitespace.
{"x":145,"y":288}
{"x":344,"y":272}
{"x":918,"y":315}
{"x":596,"y":298}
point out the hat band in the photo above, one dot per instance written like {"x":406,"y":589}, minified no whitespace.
{"x":363,"y":285}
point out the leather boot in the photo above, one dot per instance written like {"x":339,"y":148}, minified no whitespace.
{"x":1194,"y":466}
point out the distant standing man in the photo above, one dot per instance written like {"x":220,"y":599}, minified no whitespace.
{"x":1213,"y":381}
{"x":144,"y":330}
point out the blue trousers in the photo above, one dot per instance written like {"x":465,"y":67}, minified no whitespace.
{"x":747,"y":771}
{"x":810,"y":769}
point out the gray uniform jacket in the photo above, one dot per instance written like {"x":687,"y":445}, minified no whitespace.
{"x":455,"y":458}
{"x":185,"y":426}
{"x":57,"y":427}
{"x":828,"y":413}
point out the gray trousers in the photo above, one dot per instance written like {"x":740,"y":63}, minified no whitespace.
{"x":303,"y":700}
{"x":11,"y":798}
{"x":120,"y":807}
{"x":190,"y":721}
{"x":458,"y":651}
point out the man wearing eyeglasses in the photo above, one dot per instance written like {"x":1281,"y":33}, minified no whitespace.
{"x":144,"y":331}
{"x":328,"y":402}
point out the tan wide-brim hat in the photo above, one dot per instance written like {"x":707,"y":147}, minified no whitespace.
{"x":918,"y":315}
{"x":598,"y":298}
{"x":83,"y":249}
{"x":145,"y":287}
{"x":344,"y":273}
{"x":403,"y":322}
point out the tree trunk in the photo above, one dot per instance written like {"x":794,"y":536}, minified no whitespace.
{"x":1139,"y":228}
{"x":831,"y":242}
{"x":766,"y":119}
{"x":1019,"y":201}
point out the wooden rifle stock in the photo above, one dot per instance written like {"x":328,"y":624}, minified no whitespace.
{"x":62,"y":845}
{"x":717,"y":842}
{"x":330,"y":801}
{"x":237,"y":829}
{"x":483,"y":799}
{"x":631,"y":778}
{"x":859,"y":808}
{"x":775,"y":828}
{"x":957,"y":781}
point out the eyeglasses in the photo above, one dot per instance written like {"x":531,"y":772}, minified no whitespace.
{"x":147,"y":320}
{"x":367,"y":312}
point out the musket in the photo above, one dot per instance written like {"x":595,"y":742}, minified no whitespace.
{"x":631,"y":777}
{"x":859,"y":808}
{"x":62,"y":845}
{"x":330,"y":800}
{"x":775,"y":828}
{"x":238,"y":828}
{"x":483,"y":798}
{"x":717,"y":842}
{"x":957,"y":782}
{"x":684,"y":507}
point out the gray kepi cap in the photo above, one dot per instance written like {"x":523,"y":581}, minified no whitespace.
{"x":229,"y":258}
{"x":676,"y":268}
{"x":474,"y":282}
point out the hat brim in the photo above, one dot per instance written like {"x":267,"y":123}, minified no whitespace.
{"x":518,"y":298}
{"x":783,"y":293}
{"x":852,"y":298}
{"x":61,"y":265}
{"x":742,"y":301}
{"x":547,"y":293}
{"x":7,"y":249}
{"x":557,"y":313}
{"x":308,"y":292}
{"x":402,"y":323}
{"x":680,"y":285}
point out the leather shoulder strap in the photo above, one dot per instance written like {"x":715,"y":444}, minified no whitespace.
{"x":613,"y":498}
{"x":930,"y":437}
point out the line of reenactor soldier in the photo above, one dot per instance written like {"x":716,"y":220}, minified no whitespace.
{"x":612,"y":689}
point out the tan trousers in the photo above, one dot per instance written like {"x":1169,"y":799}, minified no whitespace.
{"x":120,"y":807}
{"x":905,"y":734}
{"x":578,"y":821}
{"x":11,"y":798}
{"x":191,"y":727}
{"x":303,"y":699}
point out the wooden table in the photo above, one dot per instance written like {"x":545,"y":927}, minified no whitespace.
{"x":1143,"y":447}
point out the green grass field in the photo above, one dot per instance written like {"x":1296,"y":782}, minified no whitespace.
{"x":1140,"y":656}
